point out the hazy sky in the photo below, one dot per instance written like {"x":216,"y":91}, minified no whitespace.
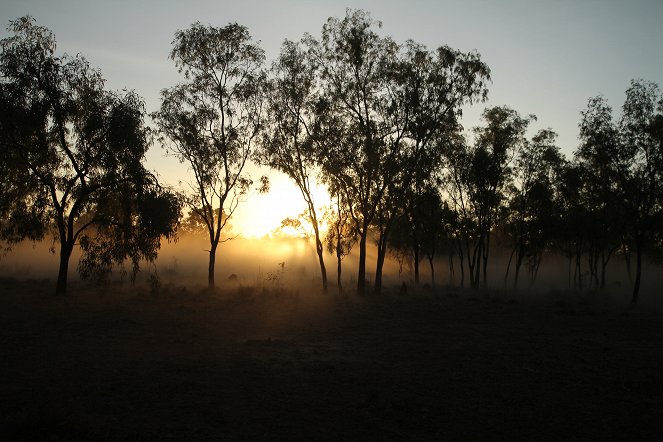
{"x":546,"y":57}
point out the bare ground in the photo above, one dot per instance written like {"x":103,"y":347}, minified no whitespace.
{"x":121,"y":364}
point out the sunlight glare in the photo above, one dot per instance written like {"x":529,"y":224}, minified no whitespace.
{"x":261,"y":215}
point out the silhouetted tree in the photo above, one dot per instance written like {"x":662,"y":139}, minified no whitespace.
{"x":434,"y":86}
{"x":341,"y":235}
{"x":532,"y":217}
{"x":476,"y":180}
{"x":640,"y":164}
{"x":213,"y":120}
{"x":353,"y":61}
{"x":72,"y":156}
{"x":573,"y":224}
{"x":288,"y":145}
{"x":600,"y":188}
{"x":386,"y":105}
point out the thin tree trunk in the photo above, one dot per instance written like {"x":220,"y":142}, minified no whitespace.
{"x":627,"y":260}
{"x":432,"y":271}
{"x":361,"y":273}
{"x":486,"y":251}
{"x":508,"y":267}
{"x":210,"y":267}
{"x":452,"y":273}
{"x":519,"y":263}
{"x":320,"y":251}
{"x":339,"y":257}
{"x":416,"y":264}
{"x":638,"y":272}
{"x":382,"y":249}
{"x":66,"y":247}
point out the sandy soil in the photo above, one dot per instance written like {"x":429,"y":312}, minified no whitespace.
{"x":125,"y":364}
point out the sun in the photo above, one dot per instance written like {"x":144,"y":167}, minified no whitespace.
{"x":261,"y":214}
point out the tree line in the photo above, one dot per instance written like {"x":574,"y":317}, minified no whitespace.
{"x":377,"y":121}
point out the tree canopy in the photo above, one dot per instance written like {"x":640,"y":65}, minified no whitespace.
{"x":74,"y":157}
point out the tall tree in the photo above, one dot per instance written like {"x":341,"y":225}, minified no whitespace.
{"x":341,"y":235}
{"x":390,"y":103}
{"x":596,"y":155}
{"x":434,"y":85}
{"x":353,"y":61}
{"x":213,"y":120}
{"x":531,"y":221}
{"x":641,"y":167}
{"x":477,"y":179}
{"x":288,"y":145}
{"x":73,"y":154}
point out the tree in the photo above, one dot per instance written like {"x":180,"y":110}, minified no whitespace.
{"x":640,"y":165}
{"x":573,"y":225}
{"x":382,"y":104}
{"x":477,"y":178}
{"x":288,"y":145}
{"x":434,"y":87}
{"x":531,"y":219}
{"x":213,"y":120}
{"x":73,"y":154}
{"x":341,"y":235}
{"x":352,"y":61}
{"x":595,"y":157}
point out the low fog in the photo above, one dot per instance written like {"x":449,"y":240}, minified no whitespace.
{"x":291,"y":263}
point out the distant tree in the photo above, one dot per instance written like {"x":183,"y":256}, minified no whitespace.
{"x":287,"y":144}
{"x":213,"y":120}
{"x":595,"y":157}
{"x":477,"y":178}
{"x":386,"y":105}
{"x":574,"y":226}
{"x":531,"y":221}
{"x":434,"y":85}
{"x":72,"y":159}
{"x":640,"y":164}
{"x":341,"y":235}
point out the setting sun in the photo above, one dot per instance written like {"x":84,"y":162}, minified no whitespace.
{"x":262,"y":214}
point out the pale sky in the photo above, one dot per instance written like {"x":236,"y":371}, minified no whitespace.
{"x":547,"y":57}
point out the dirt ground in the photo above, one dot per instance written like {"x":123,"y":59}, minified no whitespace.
{"x":123,"y":363}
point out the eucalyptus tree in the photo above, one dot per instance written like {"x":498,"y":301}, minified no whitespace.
{"x":73,"y":159}
{"x":388,"y":104}
{"x":358,"y":160}
{"x":476,"y":181}
{"x":640,"y":163}
{"x":212,"y":121}
{"x":531,"y":222}
{"x":574,"y":228}
{"x":341,"y":235}
{"x":596,"y":157}
{"x":288,"y":144}
{"x":433,"y":86}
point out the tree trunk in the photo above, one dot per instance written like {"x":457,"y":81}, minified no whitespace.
{"x":508,"y":268}
{"x":361,"y":274}
{"x":638,"y":272}
{"x":320,"y":251}
{"x":210,"y":268}
{"x":432,"y":271}
{"x":66,"y":247}
{"x":339,"y":257}
{"x":486,"y":251}
{"x":416,"y":264}
{"x":519,"y":263}
{"x":382,"y":250}
{"x":570,"y":257}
